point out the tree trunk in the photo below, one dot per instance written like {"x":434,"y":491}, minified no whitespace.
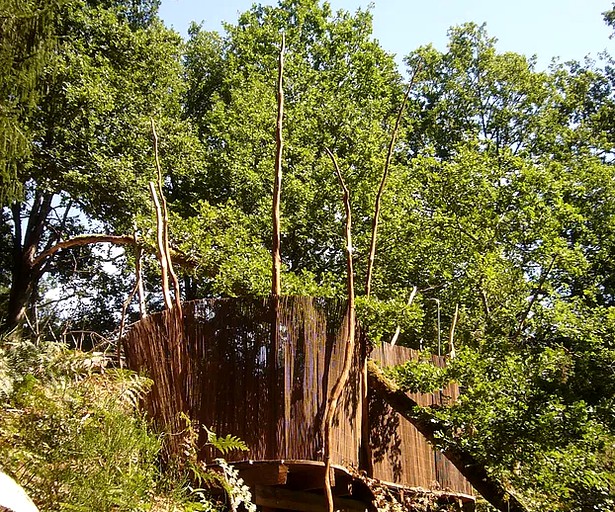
{"x":23,"y":286}
{"x":277,"y":181}
{"x":472,"y":469}
{"x":24,"y":273}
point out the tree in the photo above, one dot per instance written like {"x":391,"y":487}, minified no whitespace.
{"x":341,"y":91}
{"x":498,"y":205}
{"x":609,"y":17}
{"x":26,"y":33}
{"x":504,"y":195}
{"x":90,"y":142}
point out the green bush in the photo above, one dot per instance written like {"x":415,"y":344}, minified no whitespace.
{"x":71,"y":433}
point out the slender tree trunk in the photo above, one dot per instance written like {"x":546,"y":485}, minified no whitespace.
{"x":277,"y":181}
{"x":365,"y":428}
{"x":164,"y":213}
{"x":340,"y":384}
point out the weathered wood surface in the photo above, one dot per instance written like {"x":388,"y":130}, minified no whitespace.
{"x":220,"y":367}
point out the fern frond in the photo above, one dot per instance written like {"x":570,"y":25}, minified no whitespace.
{"x":225,"y":444}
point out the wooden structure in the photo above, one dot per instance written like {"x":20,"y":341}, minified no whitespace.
{"x":261,"y":369}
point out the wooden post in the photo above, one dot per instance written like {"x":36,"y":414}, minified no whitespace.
{"x":275,"y":249}
{"x":340,"y":384}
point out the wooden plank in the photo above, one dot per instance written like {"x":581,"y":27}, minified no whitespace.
{"x":301,"y":501}
{"x":308,"y":475}
{"x":263,"y":473}
{"x":305,"y":480}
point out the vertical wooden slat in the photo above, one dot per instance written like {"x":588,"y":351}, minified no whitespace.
{"x":228,"y":366}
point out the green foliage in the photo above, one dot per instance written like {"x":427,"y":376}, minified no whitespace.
{"x":609,"y":17}
{"x":383,"y":317}
{"x":89,"y":156}
{"x":520,"y":414}
{"x":71,"y":433}
{"x":420,"y":376}
{"x":210,"y":481}
{"x":27,"y":37}
{"x":225,"y":444}
{"x":341,"y":90}
{"x":500,"y":205}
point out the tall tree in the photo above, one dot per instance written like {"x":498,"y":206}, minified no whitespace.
{"x":26,"y":36}
{"x":341,"y":91}
{"x":89,"y":136}
{"x":503,"y":203}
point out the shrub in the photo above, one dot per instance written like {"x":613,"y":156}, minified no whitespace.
{"x":70,"y":430}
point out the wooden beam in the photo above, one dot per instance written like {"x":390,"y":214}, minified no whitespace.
{"x":264,"y":473}
{"x":304,"y":477}
{"x":301,"y":501}
{"x":305,"y":480}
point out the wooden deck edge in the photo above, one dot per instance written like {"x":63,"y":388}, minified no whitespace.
{"x":454,"y":495}
{"x":296,"y":485}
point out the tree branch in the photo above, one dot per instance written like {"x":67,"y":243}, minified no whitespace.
{"x":99,"y":238}
{"x":543,"y":278}
{"x":409,"y":303}
{"x":79,"y":241}
{"x":385,"y":173}
{"x":165,"y":225}
{"x":138,"y":287}
{"x":162,"y":258}
{"x":342,"y":380}
{"x":451,"y":338}
{"x":432,"y":428}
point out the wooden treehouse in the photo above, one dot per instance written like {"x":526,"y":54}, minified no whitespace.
{"x":263,"y":373}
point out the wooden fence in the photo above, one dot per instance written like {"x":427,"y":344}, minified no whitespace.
{"x":226,"y":366}
{"x":400,"y":453}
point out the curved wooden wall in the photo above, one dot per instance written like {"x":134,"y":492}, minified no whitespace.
{"x":225,"y":366}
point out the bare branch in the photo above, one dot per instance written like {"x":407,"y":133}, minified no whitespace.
{"x":277,"y":182}
{"x":541,"y":282}
{"x":79,"y":241}
{"x":451,"y":338}
{"x":138,"y":287}
{"x":166,"y":254}
{"x":375,"y":220}
{"x":484,"y":300}
{"x":164,"y":269}
{"x":409,"y":303}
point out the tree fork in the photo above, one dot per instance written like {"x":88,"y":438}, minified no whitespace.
{"x":162,"y":216}
{"x":472,"y":469}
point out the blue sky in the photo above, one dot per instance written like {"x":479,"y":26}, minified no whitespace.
{"x":569,"y":29}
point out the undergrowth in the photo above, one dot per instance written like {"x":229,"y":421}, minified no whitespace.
{"x":72,"y":435}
